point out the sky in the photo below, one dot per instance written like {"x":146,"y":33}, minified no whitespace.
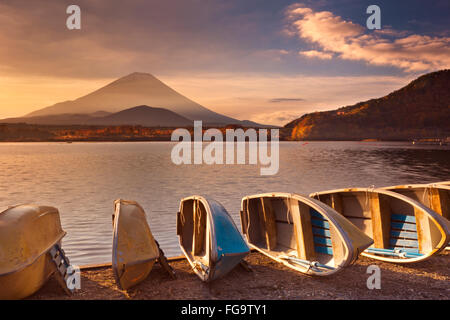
{"x":268,"y":61}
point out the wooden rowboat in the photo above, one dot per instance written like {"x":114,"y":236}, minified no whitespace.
{"x":301,"y":233}
{"x":444,"y":183}
{"x":209,"y":238}
{"x":403,"y":230}
{"x":30,"y":247}
{"x":135,"y":251}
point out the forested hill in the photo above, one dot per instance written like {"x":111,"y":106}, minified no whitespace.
{"x":419,"y":110}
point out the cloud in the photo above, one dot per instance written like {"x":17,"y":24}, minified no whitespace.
{"x":316,"y":54}
{"x":279,"y":118}
{"x":270,"y":54}
{"x":351,"y":41}
{"x":277,"y":100}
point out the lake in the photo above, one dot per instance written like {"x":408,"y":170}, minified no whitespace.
{"x":82,"y":180}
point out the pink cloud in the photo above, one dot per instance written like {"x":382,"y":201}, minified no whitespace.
{"x":350,"y":41}
{"x":316,"y":54}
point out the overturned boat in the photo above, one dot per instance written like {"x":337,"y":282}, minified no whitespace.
{"x":134,"y":251}
{"x":209,"y":237}
{"x":302,"y":233}
{"x":30,"y":250}
{"x":403,"y":230}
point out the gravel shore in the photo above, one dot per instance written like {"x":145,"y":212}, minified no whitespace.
{"x":270,"y":280}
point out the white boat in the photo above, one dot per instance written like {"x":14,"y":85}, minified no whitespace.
{"x":302,"y":233}
{"x":403,"y":230}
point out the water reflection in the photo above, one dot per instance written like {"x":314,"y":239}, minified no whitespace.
{"x":83,"y":179}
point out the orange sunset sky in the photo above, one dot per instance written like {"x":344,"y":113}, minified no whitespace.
{"x":266,"y":61}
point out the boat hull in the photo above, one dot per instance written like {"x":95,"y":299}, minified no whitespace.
{"x":134,"y":249}
{"x":23,"y":283}
{"x":27,"y":233}
{"x":301,"y":233}
{"x":403,"y":230}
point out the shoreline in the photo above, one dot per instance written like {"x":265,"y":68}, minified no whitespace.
{"x":161,"y":140}
{"x":268,"y":280}
{"x":23,"y":132}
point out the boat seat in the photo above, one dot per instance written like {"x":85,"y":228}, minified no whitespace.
{"x":321,"y":233}
{"x":403,"y":239}
{"x":269,"y":223}
{"x":403,"y":234}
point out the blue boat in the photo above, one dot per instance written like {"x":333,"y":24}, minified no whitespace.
{"x":209,"y":238}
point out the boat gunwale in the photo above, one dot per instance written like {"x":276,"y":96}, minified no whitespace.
{"x":417,"y":186}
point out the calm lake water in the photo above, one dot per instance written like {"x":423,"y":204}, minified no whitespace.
{"x":83,"y":179}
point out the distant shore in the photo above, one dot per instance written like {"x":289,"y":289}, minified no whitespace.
{"x":22,"y":132}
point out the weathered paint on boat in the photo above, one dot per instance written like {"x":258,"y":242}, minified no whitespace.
{"x":27,"y":233}
{"x":403,"y":230}
{"x":302,"y":233}
{"x":209,"y":238}
{"x":134,"y":248}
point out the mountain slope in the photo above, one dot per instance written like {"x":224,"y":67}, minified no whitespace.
{"x":134,"y":90}
{"x":56,"y":119}
{"x":144,"y":116}
{"x":141,"y":115}
{"x":419,"y":110}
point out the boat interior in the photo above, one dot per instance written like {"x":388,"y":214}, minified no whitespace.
{"x":434,"y":197}
{"x":284,"y":226}
{"x":193,"y":231}
{"x":399,"y":229}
